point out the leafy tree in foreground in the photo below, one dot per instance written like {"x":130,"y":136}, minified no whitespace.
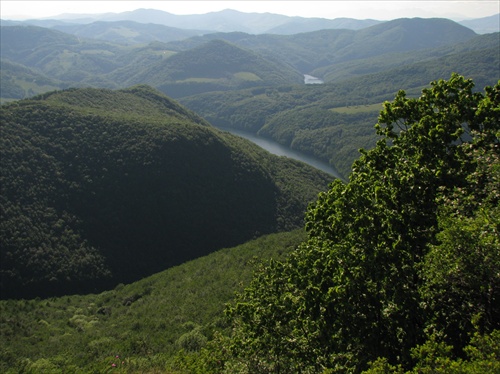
{"x":378,"y":272}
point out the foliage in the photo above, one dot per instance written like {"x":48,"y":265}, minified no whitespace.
{"x":101,"y":187}
{"x":364,"y":284}
{"x":307,"y":118}
{"x":145,"y":323}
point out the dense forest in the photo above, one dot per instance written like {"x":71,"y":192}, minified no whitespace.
{"x":135,"y":236}
{"x":397,"y":271}
{"x":95,"y":180}
{"x":255,"y":82}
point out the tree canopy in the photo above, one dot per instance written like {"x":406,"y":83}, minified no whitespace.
{"x":100,"y":187}
{"x":403,"y":255}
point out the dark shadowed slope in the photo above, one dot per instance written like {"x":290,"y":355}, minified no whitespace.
{"x":101,"y":187}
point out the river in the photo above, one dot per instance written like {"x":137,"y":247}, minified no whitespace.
{"x":280,"y":150}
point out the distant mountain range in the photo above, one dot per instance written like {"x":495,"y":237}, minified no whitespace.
{"x":186,"y":62}
{"x":223,"y":21}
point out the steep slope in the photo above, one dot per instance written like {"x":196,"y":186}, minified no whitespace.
{"x":101,"y":187}
{"x":214,"y":66}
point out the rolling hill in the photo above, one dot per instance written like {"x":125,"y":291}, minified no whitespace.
{"x":101,"y":187}
{"x":205,"y":63}
{"x":19,"y":82}
{"x":306,"y":117}
{"x":126,"y":32}
{"x":308,"y":51}
{"x":214,"y":66}
{"x":59,"y":55}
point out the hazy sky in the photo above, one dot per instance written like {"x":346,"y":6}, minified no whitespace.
{"x":381,"y":10}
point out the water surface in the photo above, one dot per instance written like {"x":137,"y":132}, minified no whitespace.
{"x":280,"y":150}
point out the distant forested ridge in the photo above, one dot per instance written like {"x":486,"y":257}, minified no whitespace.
{"x":101,"y":187}
{"x":192,"y":65}
{"x":334,"y":120}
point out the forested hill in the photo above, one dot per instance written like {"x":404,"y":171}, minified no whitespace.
{"x":312,"y":50}
{"x":213,"y":62}
{"x":334,"y":120}
{"x":217,"y":65}
{"x":101,"y":187}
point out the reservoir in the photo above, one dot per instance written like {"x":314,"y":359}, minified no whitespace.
{"x":280,"y":150}
{"x":309,"y":79}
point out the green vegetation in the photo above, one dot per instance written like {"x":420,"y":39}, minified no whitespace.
{"x":314,"y":119}
{"x":101,"y":187}
{"x":19,"y":82}
{"x":221,"y":62}
{"x":398,"y":272}
{"x":328,"y":48}
{"x":401,"y":266}
{"x":358,"y":108}
{"x":145,"y":323}
{"x":399,"y":269}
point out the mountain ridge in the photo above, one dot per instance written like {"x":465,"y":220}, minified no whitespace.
{"x":230,"y":21}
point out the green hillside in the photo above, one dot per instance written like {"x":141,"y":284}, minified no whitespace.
{"x":387,"y":61}
{"x":207,"y":64}
{"x":397,"y":271}
{"x":302,"y":117}
{"x":214,"y":66}
{"x":312,"y":50}
{"x":101,"y":187}
{"x":19,"y":82}
{"x":144,"y":323}
{"x":59,"y":55}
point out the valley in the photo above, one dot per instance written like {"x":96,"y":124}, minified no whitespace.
{"x":280,"y":150}
{"x":249,"y":193}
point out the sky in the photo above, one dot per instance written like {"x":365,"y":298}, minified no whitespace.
{"x":374,"y":9}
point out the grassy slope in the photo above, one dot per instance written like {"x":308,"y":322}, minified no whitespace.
{"x":141,"y":322}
